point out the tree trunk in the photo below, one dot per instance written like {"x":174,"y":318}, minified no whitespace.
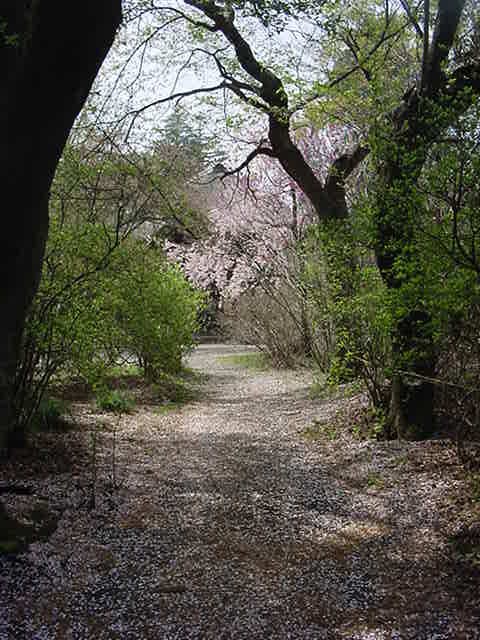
{"x":421,"y":117}
{"x":411,"y":412}
{"x":50,"y":53}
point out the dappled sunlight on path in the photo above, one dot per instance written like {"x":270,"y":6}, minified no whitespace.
{"x":228,"y":522}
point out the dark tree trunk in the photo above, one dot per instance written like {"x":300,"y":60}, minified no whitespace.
{"x":423,"y":115}
{"x":50,"y":53}
{"x":411,"y":412}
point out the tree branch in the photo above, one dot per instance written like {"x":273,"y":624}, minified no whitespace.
{"x":412,"y":18}
{"x":258,"y":151}
{"x":328,"y":200}
{"x":189,"y":19}
{"x":175,"y":96}
{"x":340,"y":170}
{"x":272,"y":90}
{"x":447,"y":21}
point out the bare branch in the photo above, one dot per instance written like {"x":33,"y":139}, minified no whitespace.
{"x":196,"y":23}
{"x":272,"y":90}
{"x":426,"y":43}
{"x":239,"y":84}
{"x":175,"y":96}
{"x":260,"y":150}
{"x":412,"y":17}
{"x":130,"y":57}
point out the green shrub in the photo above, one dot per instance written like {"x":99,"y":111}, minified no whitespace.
{"x":155,"y":309}
{"x":173,"y":388}
{"x":350,"y":307}
{"x":114,"y":401}
{"x":51,"y":415}
{"x":97,"y":302}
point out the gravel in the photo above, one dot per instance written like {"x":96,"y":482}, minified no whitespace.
{"x":222,"y":520}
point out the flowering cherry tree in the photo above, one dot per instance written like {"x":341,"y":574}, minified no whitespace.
{"x":257,"y":217}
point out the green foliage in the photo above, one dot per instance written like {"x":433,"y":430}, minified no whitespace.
{"x":425,"y":222}
{"x":122,"y":373}
{"x":321,"y":431}
{"x":433,"y":230}
{"x":114,"y":401}
{"x":8,"y":39}
{"x":67,"y":326}
{"x":375,"y":480}
{"x":373,"y":54}
{"x":102,"y":295}
{"x":167,"y":407}
{"x":366,"y":422}
{"x":351,"y":307}
{"x":174,"y":388}
{"x":51,"y":415}
{"x":156,"y":310}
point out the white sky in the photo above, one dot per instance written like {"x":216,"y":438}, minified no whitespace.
{"x":167,"y":67}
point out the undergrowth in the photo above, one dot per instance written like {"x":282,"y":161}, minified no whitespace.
{"x":115,"y":401}
{"x":53,"y":414}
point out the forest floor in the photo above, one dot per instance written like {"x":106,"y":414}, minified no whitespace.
{"x":249,"y":513}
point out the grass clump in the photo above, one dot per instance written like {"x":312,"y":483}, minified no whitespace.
{"x":375,"y":481}
{"x":167,"y":407}
{"x":323,"y":389}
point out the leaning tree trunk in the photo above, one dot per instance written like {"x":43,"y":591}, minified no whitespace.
{"x":50,"y":53}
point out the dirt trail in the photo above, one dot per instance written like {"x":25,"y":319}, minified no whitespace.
{"x":228,"y":522}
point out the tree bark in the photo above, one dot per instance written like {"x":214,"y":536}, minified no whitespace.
{"x":411,"y":404}
{"x":411,"y":415}
{"x":421,"y":117}
{"x":50,"y":54}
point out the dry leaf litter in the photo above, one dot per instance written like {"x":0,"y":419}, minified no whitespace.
{"x":222,"y":519}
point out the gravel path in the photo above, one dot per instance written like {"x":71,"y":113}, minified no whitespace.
{"x":227,"y":521}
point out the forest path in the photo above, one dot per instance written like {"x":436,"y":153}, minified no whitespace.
{"x":230,"y":521}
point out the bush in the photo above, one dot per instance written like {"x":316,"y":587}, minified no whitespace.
{"x":349,"y":308}
{"x":270,"y":321}
{"x":114,"y":401}
{"x":156,"y":311}
{"x":67,"y":327}
{"x":51,"y":415}
{"x":98,"y":302}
